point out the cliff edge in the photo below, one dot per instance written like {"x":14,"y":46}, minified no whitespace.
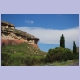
{"x":10,"y":35}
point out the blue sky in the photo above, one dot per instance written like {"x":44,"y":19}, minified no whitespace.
{"x":47,"y":27}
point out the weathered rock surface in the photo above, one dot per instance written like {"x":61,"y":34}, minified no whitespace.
{"x":10,"y":35}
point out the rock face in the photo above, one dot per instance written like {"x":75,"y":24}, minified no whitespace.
{"x":10,"y":35}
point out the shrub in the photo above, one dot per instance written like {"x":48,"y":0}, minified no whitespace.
{"x":59,"y":54}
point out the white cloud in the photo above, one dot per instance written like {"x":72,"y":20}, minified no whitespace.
{"x":52,"y":36}
{"x":32,"y":21}
{"x":29,"y":21}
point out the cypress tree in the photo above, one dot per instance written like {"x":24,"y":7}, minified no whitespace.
{"x":62,"y":41}
{"x":74,"y":48}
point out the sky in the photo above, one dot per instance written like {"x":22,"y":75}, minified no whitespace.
{"x":48,"y":28}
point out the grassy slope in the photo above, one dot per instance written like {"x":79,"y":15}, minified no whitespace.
{"x":15,"y":54}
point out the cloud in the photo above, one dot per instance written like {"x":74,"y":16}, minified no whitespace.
{"x":52,"y":36}
{"x":29,"y":21}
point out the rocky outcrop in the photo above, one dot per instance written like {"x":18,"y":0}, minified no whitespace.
{"x":5,"y":42}
{"x":10,"y":35}
{"x":7,"y":25}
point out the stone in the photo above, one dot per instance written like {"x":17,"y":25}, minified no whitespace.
{"x":10,"y":35}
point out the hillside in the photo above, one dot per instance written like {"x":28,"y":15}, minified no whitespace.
{"x":20,"y":54}
{"x":19,"y":48}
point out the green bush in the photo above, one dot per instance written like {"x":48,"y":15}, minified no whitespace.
{"x":76,"y":56}
{"x":59,"y":54}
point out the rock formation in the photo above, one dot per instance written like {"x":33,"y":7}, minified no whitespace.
{"x":10,"y":35}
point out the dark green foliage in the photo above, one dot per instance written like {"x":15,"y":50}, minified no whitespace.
{"x":62,"y":41}
{"x":74,"y":48}
{"x":75,"y":53}
{"x":59,"y":54}
{"x":76,"y":56}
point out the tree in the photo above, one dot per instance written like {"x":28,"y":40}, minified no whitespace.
{"x":62,"y":41}
{"x":59,"y":54}
{"x":74,"y":48}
